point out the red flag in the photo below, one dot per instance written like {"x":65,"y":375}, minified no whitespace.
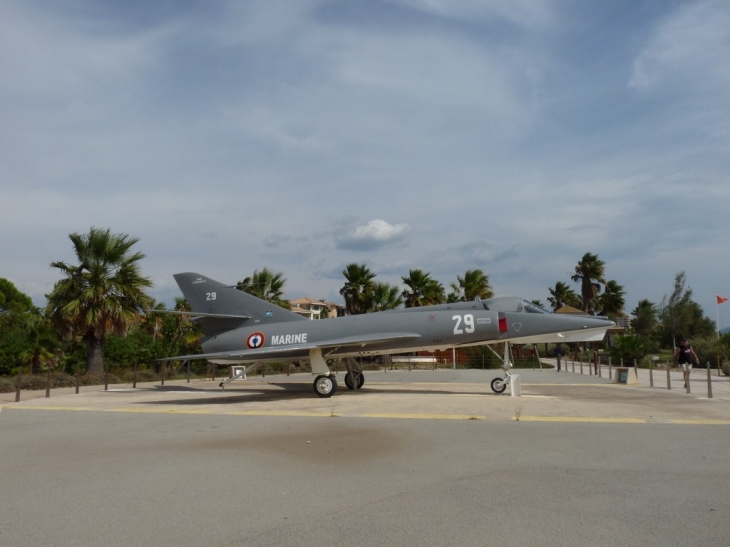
{"x":720,"y":299}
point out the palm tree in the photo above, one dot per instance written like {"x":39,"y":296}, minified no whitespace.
{"x":422,"y":290}
{"x":155,"y":321}
{"x":589,"y":273}
{"x":474,"y":284}
{"x":675,"y":312}
{"x":645,"y":320}
{"x":384,"y":296}
{"x":266,"y":285}
{"x":357,"y":287}
{"x":612,"y":300}
{"x":186,"y":334}
{"x":562,"y":295}
{"x":103,"y":294}
{"x":41,"y":342}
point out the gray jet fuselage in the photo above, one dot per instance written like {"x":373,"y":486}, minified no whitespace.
{"x":240,"y":328}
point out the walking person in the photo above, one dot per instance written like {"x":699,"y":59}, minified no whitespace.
{"x":686,"y":357}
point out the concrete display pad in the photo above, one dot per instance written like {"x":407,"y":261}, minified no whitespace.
{"x":420,"y":458}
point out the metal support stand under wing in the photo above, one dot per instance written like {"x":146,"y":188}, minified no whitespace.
{"x":238,"y":372}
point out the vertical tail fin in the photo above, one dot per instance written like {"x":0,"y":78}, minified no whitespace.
{"x":207,"y":296}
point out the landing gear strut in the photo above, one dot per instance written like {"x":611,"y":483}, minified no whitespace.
{"x":500,"y":384}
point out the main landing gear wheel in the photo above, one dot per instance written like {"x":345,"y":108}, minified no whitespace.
{"x":499,"y":385}
{"x":350,"y":384}
{"x":325,"y":386}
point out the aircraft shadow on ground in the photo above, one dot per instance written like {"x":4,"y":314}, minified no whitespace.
{"x":287,"y":392}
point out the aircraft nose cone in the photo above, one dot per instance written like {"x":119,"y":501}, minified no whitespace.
{"x":602,"y":322}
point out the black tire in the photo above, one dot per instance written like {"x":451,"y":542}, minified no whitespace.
{"x":325,"y":386}
{"x":351,"y":385}
{"x":499,"y":385}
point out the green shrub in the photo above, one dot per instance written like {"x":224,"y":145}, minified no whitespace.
{"x":7,"y":385}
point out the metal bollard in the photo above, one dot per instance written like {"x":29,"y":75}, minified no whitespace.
{"x":651,"y":374}
{"x":669,"y":379}
{"x":134,"y":375}
{"x":17,"y":390}
{"x":686,"y":370}
{"x":581,"y":364}
{"x":610,"y":369}
{"x":48,"y":383}
{"x":709,"y":381}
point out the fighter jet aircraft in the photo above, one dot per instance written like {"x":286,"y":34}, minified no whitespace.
{"x":240,"y":328}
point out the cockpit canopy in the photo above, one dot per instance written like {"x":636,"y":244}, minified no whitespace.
{"x":511,"y":304}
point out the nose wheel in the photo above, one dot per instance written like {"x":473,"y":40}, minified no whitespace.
{"x":499,"y":385}
{"x":325,"y":386}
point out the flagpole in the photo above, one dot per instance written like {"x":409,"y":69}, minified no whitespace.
{"x":717,"y":317}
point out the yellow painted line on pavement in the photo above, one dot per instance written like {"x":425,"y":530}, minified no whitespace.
{"x":575,"y":385}
{"x":424,"y":416}
{"x":79,"y":408}
{"x":702,"y":422}
{"x":133,"y":410}
{"x":281,"y":413}
{"x":411,"y":416}
{"x":579,"y":419}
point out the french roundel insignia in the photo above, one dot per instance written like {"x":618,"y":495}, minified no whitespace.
{"x":255,"y":340}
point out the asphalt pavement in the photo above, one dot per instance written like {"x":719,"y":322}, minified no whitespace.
{"x":421,"y":457}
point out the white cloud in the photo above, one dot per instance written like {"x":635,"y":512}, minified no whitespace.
{"x":374,"y":234}
{"x":691,"y":47}
{"x":527,"y":13}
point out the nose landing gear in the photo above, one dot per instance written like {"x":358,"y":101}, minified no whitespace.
{"x":500,"y":384}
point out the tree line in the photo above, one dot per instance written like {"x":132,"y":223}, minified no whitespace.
{"x":99,"y":312}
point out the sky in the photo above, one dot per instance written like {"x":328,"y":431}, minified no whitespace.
{"x":511,"y":136}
